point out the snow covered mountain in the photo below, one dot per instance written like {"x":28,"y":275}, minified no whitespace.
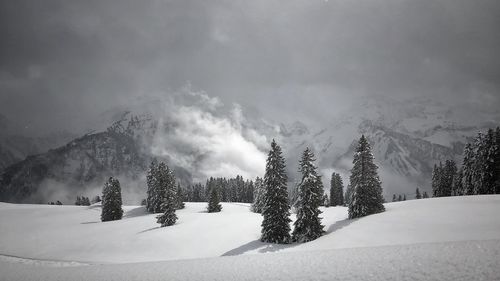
{"x":199,"y":138}
{"x":73,"y":169}
{"x":407,"y":138}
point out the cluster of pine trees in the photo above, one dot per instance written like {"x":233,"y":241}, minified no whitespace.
{"x":111,"y":201}
{"x":364,"y":195}
{"x":480,"y":171}
{"x":418,"y":195}
{"x":229,"y":190}
{"x":82,"y":201}
{"x":336,"y":190}
{"x":164,"y":195}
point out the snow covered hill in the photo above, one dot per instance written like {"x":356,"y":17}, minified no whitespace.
{"x":416,"y":239}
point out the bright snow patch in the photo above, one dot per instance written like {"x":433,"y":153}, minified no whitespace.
{"x":415,"y":236}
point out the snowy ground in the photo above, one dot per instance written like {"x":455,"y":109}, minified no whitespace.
{"x":446,"y":238}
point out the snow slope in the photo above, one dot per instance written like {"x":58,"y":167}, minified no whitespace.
{"x":450,"y":238}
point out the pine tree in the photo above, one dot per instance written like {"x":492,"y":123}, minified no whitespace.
{"x":400,"y":197}
{"x":336,"y":190}
{"x":489,"y":176}
{"x":151,"y":181}
{"x":78,"y":201}
{"x":214,"y":205}
{"x":468,"y":170}
{"x":111,"y":201}
{"x":458,"y":188}
{"x":168,"y":193}
{"x":449,"y":172}
{"x":394,"y":199}
{"x":367,"y":190}
{"x":179,"y":198}
{"x":496,"y":161}
{"x":418,"y":195}
{"x":404,"y":197}
{"x":326,"y":201}
{"x":425,"y":195}
{"x":276,"y":212}
{"x":308,"y":226}
{"x":348,"y":195}
{"x":437,"y":179}
{"x":259,"y":195}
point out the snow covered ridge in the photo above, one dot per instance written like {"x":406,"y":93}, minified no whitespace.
{"x":453,"y":238}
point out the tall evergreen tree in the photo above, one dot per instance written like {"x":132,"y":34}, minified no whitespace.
{"x":276,"y":212}
{"x":348,"y":195}
{"x":496,"y":161}
{"x":336,"y":190}
{"x":169,"y":201}
{"x":418,"y":195}
{"x":367,"y":190}
{"x":458,"y":188}
{"x":152,"y":183}
{"x":179,"y":198}
{"x":214,"y":205}
{"x":111,"y":201}
{"x":468,"y":170}
{"x":488,"y":173}
{"x":308,"y":226}
{"x":259,"y":195}
{"x":449,"y":173}
{"x":437,"y":179}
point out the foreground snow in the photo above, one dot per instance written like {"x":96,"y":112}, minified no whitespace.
{"x":474,"y":260}
{"x":411,"y":240}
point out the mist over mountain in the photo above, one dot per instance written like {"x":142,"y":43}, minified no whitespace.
{"x":201,"y":137}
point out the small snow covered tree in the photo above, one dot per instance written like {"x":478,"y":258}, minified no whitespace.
{"x":336,"y":190}
{"x":152,"y":203}
{"x":394,"y":199}
{"x":276,"y":212}
{"x":166,"y":181}
{"x":111,"y":201}
{"x":366,"y":186}
{"x":214,"y":205}
{"x":418,"y":195}
{"x":425,"y":195}
{"x":78,"y":201}
{"x":259,"y":195}
{"x":404,"y":197}
{"x":326,"y":201}
{"x":308,"y":226}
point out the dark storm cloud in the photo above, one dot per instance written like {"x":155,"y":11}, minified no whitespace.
{"x":63,"y":62}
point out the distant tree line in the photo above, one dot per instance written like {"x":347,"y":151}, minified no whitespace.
{"x":229,"y":190}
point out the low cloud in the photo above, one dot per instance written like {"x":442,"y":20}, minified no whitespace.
{"x":200,"y":134}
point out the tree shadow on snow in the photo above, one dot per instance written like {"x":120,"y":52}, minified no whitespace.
{"x":261,"y":247}
{"x":90,"y":222}
{"x":339,"y":225}
{"x":149,"y":229}
{"x":136,"y":212}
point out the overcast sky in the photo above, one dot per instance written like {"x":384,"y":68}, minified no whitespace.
{"x":64,"y":62}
